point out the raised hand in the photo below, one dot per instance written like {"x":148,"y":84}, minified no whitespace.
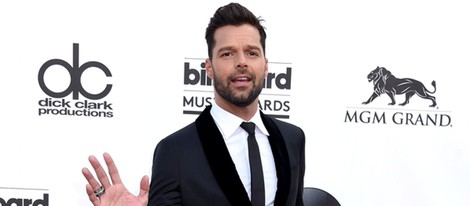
{"x":114,"y":193}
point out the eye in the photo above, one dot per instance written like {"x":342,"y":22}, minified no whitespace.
{"x":226,"y":54}
{"x":253,"y":53}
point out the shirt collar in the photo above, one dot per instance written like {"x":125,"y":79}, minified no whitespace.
{"x":228,"y":123}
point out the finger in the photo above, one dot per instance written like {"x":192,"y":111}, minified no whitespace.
{"x":91,"y":195}
{"x":144,"y":185}
{"x":94,"y":184}
{"x":112,"y":169}
{"x":144,"y":189}
{"x":100,"y":173}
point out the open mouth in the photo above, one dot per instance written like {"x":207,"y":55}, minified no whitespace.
{"x":241,"y":81}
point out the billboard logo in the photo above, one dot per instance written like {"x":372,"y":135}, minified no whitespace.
{"x":57,"y":104}
{"x":274,"y":100}
{"x":25,"y":201}
{"x":10,"y":196}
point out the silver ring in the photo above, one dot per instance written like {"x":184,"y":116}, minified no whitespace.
{"x":99,"y":191}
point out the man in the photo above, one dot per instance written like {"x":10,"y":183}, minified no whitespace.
{"x":208,"y":162}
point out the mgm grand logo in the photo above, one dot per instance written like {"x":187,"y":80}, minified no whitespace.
{"x":384,"y":82}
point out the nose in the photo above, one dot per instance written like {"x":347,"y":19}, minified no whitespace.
{"x":241,"y":63}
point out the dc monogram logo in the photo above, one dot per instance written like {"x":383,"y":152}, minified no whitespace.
{"x":75,"y":70}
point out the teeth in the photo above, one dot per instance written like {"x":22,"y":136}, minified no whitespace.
{"x":242,"y":79}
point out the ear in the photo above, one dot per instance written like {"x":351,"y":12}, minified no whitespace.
{"x":209,"y":69}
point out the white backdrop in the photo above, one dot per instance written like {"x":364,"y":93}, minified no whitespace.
{"x":331,"y":47}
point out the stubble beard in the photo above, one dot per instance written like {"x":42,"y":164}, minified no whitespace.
{"x":226,"y":92}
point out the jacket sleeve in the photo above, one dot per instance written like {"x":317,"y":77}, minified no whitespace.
{"x":165,"y":185}
{"x":300,"y":191}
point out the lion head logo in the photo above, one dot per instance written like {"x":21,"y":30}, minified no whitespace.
{"x":385,"y":82}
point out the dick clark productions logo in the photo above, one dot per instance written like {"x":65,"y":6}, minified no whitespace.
{"x":57,"y":102}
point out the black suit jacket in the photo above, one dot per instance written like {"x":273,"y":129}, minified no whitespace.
{"x":192,"y":167}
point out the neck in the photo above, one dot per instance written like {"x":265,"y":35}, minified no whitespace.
{"x":245,"y":113}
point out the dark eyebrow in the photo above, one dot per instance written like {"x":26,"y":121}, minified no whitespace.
{"x":229,"y":48}
{"x":225,"y":49}
{"x":254,"y":47}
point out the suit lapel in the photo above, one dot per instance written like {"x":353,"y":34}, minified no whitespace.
{"x":281,"y":159}
{"x":224,"y":169}
{"x":220,"y":161}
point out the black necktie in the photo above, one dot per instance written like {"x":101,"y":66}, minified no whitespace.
{"x":257,"y":179}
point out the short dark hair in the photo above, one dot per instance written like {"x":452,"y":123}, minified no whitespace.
{"x":233,"y":14}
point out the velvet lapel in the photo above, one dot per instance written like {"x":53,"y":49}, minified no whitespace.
{"x":220,"y":161}
{"x":281,"y":159}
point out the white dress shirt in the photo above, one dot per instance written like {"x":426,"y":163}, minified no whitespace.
{"x":235,"y":138}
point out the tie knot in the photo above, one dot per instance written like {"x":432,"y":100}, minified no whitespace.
{"x":249,"y":127}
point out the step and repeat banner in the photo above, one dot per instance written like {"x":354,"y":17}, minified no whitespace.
{"x":379,"y":88}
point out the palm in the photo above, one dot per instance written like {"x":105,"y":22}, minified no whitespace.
{"x":118,"y":195}
{"x":115,"y":194}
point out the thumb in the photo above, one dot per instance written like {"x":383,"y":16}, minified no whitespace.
{"x":144,"y":187}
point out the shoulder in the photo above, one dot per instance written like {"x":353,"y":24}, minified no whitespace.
{"x":180,"y":138}
{"x":287,"y":128}
{"x":282,"y":123}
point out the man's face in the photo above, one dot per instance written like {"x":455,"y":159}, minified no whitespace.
{"x":238,"y":66}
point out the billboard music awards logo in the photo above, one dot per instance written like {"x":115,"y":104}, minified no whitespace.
{"x":384,"y":82}
{"x":274,"y":100}
{"x":82,"y":103}
{"x":23,"y":197}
